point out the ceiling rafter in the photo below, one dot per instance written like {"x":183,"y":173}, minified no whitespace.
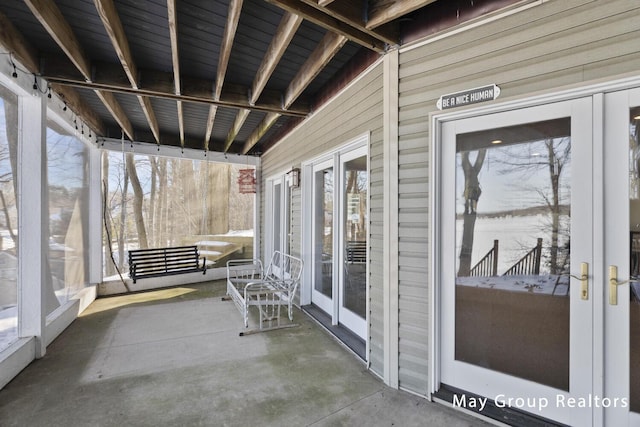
{"x":338,"y":26}
{"x":328,"y":47}
{"x":233,"y":17}
{"x":172,"y":14}
{"x":59,"y":29}
{"x":15,"y":42}
{"x":352,"y":14}
{"x":385,"y":11}
{"x":266,"y":123}
{"x":23,"y":52}
{"x":279,"y":44}
{"x":157,"y":84}
{"x":372,"y":24}
{"x":281,"y":40}
{"x":115,"y":30}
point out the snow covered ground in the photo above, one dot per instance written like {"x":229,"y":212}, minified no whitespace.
{"x":542,"y":284}
{"x":8,"y":326}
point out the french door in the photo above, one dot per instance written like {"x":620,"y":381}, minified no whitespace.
{"x":339,"y":237}
{"x":278,"y":216}
{"x":516,"y":244}
{"x":622,"y":255}
{"x":540,"y":253}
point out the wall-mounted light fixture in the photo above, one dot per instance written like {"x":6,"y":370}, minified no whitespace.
{"x":294,"y":177}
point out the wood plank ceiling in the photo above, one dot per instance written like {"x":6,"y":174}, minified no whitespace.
{"x":216,"y":75}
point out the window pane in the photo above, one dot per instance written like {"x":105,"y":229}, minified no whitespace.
{"x":8,"y":218}
{"x":68,"y":192}
{"x":512,"y":241}
{"x":323,"y":231}
{"x":634,"y":267}
{"x":156,"y":202}
{"x":355,"y":229}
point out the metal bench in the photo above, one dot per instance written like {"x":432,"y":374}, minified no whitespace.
{"x":248,"y":284}
{"x":144,"y":263}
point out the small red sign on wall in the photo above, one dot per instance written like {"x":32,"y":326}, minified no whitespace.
{"x":247,"y":181}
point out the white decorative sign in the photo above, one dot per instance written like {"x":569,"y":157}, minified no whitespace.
{"x":467,"y":97}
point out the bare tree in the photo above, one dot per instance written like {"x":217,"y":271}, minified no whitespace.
{"x":471,"y":196}
{"x":162,"y":202}
{"x":526,"y":161}
{"x":138,"y":199}
{"x":152,"y":211}
{"x":219,"y":190}
{"x":110,"y":268}
{"x":123,"y":218}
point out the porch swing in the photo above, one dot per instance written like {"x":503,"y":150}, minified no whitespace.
{"x":165,"y":261}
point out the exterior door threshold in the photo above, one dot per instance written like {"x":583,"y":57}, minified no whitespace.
{"x":356,"y":344}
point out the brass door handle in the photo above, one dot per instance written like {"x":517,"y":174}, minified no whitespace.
{"x":614,"y":283}
{"x":584,"y":280}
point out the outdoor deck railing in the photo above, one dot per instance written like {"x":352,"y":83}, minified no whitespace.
{"x":488,"y":265}
{"x":528,"y":264}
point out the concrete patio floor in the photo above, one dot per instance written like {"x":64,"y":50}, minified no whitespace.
{"x":173,"y":357}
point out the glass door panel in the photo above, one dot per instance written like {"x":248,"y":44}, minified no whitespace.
{"x":355,"y":234}
{"x":513,"y":222}
{"x":622,"y":252}
{"x":353,"y":286}
{"x":277,"y":216}
{"x":323,"y":236}
{"x":339,"y":225}
{"x":515,"y":197}
{"x":634,"y":259}
{"x":277,"y":202}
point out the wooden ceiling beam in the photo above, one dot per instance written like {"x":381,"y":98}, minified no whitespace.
{"x":116,"y":110}
{"x":115,"y":30}
{"x":14,"y":42}
{"x":26,"y":54}
{"x":281,"y":40}
{"x":233,"y":16}
{"x":319,"y":17}
{"x":79,"y":106}
{"x":352,"y":14}
{"x":231,"y":98}
{"x":241,"y":117}
{"x":59,"y":29}
{"x":172,"y":14}
{"x":319,"y":58}
{"x":330,"y":44}
{"x":384,"y":11}
{"x":266,"y":123}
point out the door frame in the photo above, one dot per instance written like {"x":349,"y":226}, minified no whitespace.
{"x":597,"y":269}
{"x":350,"y":319}
{"x":281,"y":179}
{"x":489,"y":382}
{"x":331,"y":157}
{"x":325,"y":303}
{"x":616,"y":340}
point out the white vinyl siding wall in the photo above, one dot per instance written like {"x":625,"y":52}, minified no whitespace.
{"x":355,"y":111}
{"x":553,"y":45}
